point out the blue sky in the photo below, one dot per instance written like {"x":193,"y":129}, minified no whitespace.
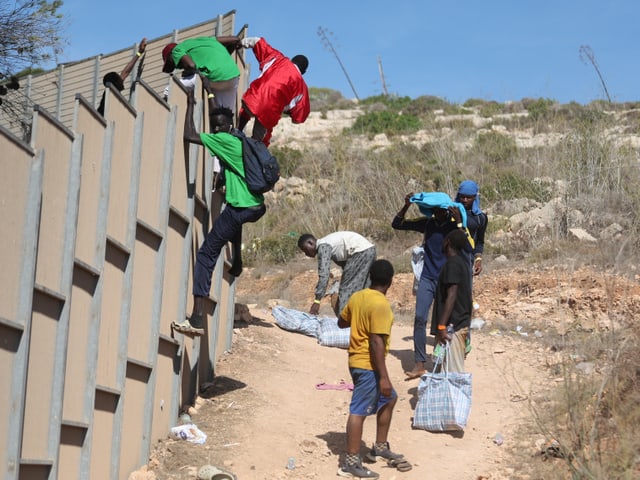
{"x":495,"y":50}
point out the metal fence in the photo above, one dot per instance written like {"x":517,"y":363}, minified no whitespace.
{"x":100,"y":219}
{"x":56,"y":89}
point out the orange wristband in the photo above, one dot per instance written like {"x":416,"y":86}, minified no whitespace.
{"x":442,"y":327}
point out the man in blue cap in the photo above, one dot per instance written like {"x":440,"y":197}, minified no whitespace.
{"x":469,"y":196}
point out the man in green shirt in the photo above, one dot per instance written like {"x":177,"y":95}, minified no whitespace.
{"x":209,"y":57}
{"x":242,"y":206}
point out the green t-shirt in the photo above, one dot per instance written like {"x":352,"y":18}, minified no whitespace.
{"x":229,"y":150}
{"x":210,"y":57}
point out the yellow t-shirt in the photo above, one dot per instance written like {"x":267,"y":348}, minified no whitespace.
{"x":368,"y":311}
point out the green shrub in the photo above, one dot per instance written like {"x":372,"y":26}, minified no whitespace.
{"x":474,"y":102}
{"x":539,"y":108}
{"x":387,"y":122}
{"x":485,"y":108}
{"x":570,"y":116}
{"x":392,"y":102}
{"x":490,"y":109}
{"x":426,"y":104}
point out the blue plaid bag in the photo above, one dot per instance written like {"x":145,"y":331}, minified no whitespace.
{"x":296,"y":321}
{"x":331,"y":335}
{"x":444,"y":400}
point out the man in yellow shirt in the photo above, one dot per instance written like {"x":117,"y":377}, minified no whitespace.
{"x":369,"y":315}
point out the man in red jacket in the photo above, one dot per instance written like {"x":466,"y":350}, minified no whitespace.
{"x":279,"y":89}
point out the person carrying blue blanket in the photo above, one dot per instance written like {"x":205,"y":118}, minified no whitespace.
{"x":441,"y":215}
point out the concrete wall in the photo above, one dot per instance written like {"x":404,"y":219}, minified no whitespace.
{"x":100,"y":219}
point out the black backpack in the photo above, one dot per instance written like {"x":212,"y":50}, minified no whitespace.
{"x":261,"y":169}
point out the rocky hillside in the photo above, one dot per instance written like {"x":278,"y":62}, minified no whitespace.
{"x":518,"y":223}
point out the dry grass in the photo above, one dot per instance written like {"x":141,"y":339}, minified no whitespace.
{"x":593,"y":415}
{"x":360,"y":189}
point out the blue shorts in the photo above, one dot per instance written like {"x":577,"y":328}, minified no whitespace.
{"x":366,"y":398}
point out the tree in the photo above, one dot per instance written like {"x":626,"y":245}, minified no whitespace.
{"x":30,"y":33}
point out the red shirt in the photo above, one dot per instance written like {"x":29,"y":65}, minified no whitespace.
{"x":279,"y":88}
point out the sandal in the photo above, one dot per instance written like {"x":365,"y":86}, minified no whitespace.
{"x":394,"y":460}
{"x":400,"y":463}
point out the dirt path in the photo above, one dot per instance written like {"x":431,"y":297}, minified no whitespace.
{"x":263,"y":407}
{"x":293,"y":418}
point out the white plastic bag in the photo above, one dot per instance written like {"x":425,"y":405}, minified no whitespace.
{"x":188,"y":432}
{"x":417,"y":262}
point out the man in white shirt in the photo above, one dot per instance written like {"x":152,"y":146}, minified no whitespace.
{"x":349,"y":250}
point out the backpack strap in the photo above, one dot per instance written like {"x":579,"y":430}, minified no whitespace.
{"x":240,"y":135}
